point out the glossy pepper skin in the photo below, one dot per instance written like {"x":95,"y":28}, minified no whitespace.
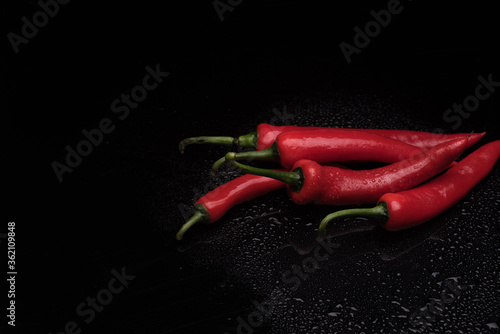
{"x":239,"y":190}
{"x":329,"y":144}
{"x":215,"y":204}
{"x":416,"y":206}
{"x":409,"y":208}
{"x":310,"y":182}
{"x":265,"y":135}
{"x":340,"y":145}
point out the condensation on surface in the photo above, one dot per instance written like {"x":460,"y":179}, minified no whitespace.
{"x":372,"y":281}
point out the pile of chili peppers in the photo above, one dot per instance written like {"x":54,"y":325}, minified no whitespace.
{"x":420,"y":178}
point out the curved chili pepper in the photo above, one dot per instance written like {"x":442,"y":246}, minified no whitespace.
{"x":213,"y":205}
{"x":265,"y":135}
{"x":310,"y":182}
{"x":330,"y":144}
{"x":403,"y":210}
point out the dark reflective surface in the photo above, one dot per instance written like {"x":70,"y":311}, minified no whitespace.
{"x":260,"y":269}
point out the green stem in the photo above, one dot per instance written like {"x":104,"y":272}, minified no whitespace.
{"x":270,"y":154}
{"x":378,"y":212}
{"x":248,"y":140}
{"x":294,"y":179}
{"x":206,"y":140}
{"x":217,"y":164}
{"x":200,"y":215}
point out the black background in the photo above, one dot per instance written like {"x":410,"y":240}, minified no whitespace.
{"x":120,"y":206}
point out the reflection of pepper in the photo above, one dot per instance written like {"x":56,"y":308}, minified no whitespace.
{"x":310,"y":182}
{"x":409,"y":208}
{"x":329,"y":144}
{"x":265,"y":135}
{"x":213,"y":205}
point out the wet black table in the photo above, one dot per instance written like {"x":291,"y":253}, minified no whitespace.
{"x":99,"y":98}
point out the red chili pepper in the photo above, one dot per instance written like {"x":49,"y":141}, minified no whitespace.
{"x":213,"y":205}
{"x":330,"y":144}
{"x":265,"y":135}
{"x":310,"y":182}
{"x":402,"y":210}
